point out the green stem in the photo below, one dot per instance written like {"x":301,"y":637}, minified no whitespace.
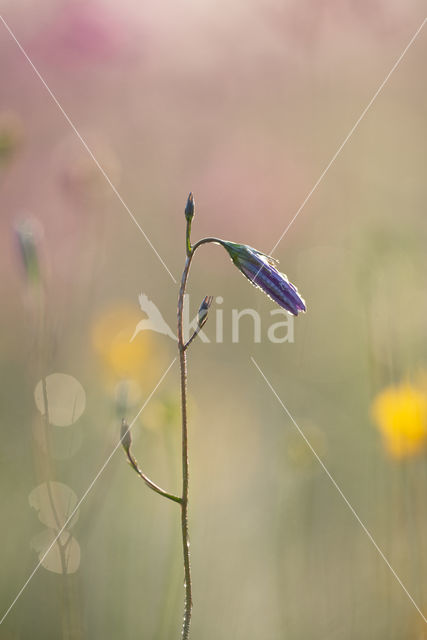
{"x":207,"y":241}
{"x":187,"y":239}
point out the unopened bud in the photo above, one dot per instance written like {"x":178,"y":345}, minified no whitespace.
{"x":125,"y":438}
{"x":27,"y":235}
{"x":202,"y":315}
{"x":189,"y":207}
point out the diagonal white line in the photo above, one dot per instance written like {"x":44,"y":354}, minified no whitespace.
{"x":85,"y":145}
{"x":337,"y":487}
{"x":350,"y":133}
{"x":37,"y":567}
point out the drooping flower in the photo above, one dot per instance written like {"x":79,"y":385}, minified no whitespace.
{"x":401,"y":415}
{"x":260,"y":269}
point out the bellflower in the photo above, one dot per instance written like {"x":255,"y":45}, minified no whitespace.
{"x":261,"y":271}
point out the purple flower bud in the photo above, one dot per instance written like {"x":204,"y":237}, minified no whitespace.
{"x":202,"y":315}
{"x":189,"y":207}
{"x":261,"y":271}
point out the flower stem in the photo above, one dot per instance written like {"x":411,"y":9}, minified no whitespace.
{"x":182,"y":347}
{"x":184,"y":498}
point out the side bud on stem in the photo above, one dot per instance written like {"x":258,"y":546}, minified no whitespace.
{"x":202,"y":317}
{"x":125,"y":437}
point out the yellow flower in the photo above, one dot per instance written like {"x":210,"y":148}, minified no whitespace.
{"x":401,"y":415}
{"x":140,"y":360}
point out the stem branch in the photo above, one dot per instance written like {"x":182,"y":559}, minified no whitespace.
{"x":134,"y":464}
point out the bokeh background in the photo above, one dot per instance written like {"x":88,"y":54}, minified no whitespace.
{"x":245,"y":103}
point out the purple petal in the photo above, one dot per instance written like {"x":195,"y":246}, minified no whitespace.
{"x":274,"y":284}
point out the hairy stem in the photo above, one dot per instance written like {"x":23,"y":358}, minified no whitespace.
{"x":182,"y":347}
{"x":184,"y":498}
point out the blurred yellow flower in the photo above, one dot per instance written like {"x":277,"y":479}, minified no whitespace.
{"x":140,"y":360}
{"x":401,"y":415}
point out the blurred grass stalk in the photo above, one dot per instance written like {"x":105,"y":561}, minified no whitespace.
{"x":29,"y":235}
